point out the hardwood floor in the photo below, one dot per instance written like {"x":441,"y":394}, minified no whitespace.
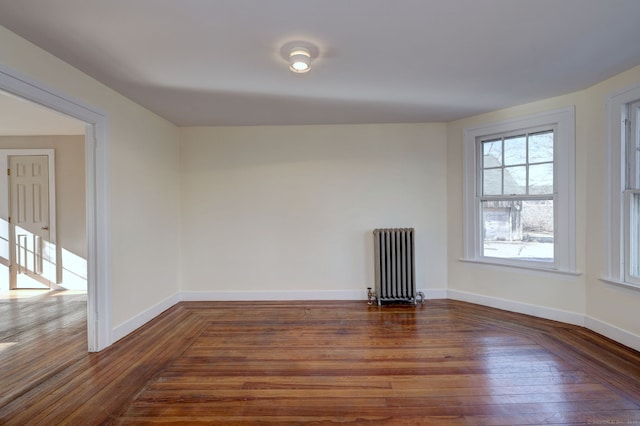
{"x":445,"y":362}
{"x":41,"y":332}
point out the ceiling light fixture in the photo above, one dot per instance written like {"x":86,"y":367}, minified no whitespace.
{"x":300,"y":60}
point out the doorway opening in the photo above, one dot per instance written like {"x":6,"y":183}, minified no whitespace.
{"x":97,"y":207}
{"x":43,"y":242}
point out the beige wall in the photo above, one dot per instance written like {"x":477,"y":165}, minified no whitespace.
{"x":292,"y":208}
{"x":143,"y":152}
{"x":584,"y":294}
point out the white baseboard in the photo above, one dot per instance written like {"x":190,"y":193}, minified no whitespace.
{"x":519,"y":307}
{"x":139,"y":320}
{"x":435,"y":293}
{"x":208,"y":296}
{"x":613,"y":332}
{"x":228,"y":296}
{"x":601,"y":327}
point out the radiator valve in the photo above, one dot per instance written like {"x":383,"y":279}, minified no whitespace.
{"x":370,"y":296}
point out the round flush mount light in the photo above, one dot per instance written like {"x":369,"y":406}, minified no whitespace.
{"x":300,"y":60}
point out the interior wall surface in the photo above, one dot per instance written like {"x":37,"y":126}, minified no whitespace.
{"x":291,"y":209}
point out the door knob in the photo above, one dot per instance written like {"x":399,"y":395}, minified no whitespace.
{"x":45,"y":228}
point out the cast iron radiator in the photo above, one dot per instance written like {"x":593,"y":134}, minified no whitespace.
{"x":394,"y":266}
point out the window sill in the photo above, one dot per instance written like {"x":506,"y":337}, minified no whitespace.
{"x":614,"y":281}
{"x":528,"y":268}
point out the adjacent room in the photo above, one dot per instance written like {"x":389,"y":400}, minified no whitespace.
{"x":192,"y":189}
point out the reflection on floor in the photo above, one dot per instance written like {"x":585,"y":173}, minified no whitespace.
{"x":31,"y":320}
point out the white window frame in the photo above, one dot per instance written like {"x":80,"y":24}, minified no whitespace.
{"x":619,"y":196}
{"x":563,"y":121}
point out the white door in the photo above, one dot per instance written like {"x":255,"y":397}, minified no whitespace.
{"x":33,"y":254}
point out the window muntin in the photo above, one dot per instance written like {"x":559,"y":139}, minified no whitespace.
{"x":516,"y":196}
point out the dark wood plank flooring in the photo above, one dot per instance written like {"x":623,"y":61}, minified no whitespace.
{"x":445,"y":362}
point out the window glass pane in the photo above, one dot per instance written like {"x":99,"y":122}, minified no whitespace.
{"x":515,"y":180}
{"x":634,"y":247}
{"x":492,"y":182}
{"x":515,"y":150}
{"x":541,"y":147}
{"x":541,"y":179}
{"x":518,"y":229}
{"x":492,"y":152}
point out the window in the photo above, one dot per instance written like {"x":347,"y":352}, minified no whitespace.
{"x":624,"y":188}
{"x":515,"y":193}
{"x":519,"y":196}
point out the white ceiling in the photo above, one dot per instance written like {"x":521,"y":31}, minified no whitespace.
{"x":220,"y":62}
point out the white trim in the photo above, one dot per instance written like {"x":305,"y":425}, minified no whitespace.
{"x":612,"y":332}
{"x":208,"y":296}
{"x":564,"y":120}
{"x":528,"y":268}
{"x":195,"y":296}
{"x":144,"y":317}
{"x":620,"y":283}
{"x":435,"y":293}
{"x":98,"y":201}
{"x":598,"y":326}
{"x":519,"y":307}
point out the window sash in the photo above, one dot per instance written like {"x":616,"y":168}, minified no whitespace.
{"x":503,"y":165}
{"x":524,"y":245}
{"x":631,"y":195}
{"x":632,"y":236}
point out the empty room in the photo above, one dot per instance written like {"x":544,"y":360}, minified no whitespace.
{"x":290,"y":212}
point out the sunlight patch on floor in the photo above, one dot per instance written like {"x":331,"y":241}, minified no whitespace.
{"x":6,"y":345}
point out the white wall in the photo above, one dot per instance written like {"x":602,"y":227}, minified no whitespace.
{"x":144,"y":180}
{"x":609,"y":307}
{"x":288,"y":211}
